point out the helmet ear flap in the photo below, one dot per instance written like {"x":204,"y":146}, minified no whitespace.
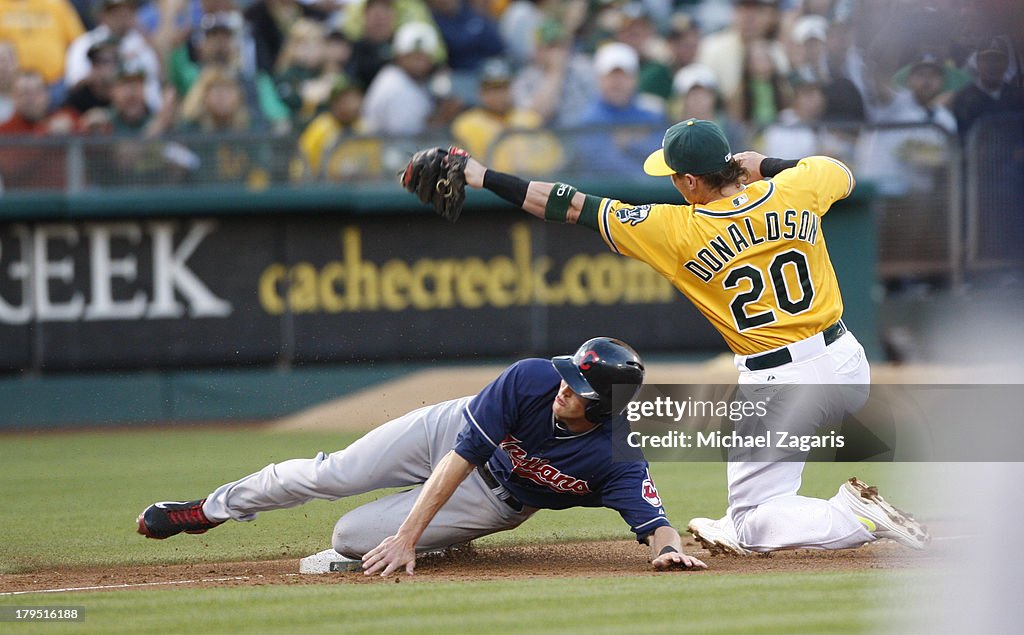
{"x":598,"y":410}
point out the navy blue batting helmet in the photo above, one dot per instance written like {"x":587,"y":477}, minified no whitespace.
{"x":598,"y":365}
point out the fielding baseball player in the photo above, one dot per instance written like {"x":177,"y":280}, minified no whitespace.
{"x":751,"y":255}
{"x":537,"y":437}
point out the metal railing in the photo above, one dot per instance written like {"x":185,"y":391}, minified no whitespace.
{"x":940,"y":210}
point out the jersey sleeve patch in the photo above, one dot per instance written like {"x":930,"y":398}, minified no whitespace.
{"x":650,"y":492}
{"x":632,"y":493}
{"x":633,"y":215}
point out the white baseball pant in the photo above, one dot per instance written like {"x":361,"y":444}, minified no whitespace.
{"x":764,"y":506}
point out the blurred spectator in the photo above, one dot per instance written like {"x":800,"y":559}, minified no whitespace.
{"x":821,"y":55}
{"x":697,"y":97}
{"x":519,"y":25}
{"x":625,"y":127}
{"x":220,"y":45}
{"x":953,"y":78}
{"x":117,"y":23}
{"x":917,"y":102}
{"x":407,"y":97}
{"x":269,"y":21}
{"x":216,"y":103}
{"x":41,"y":32}
{"x":1000,"y":43}
{"x":299,"y":65}
{"x":795,"y":134}
{"x":28,"y":165}
{"x":683,"y":41}
{"x":333,"y":146}
{"x":337,"y":54}
{"x":810,"y":59}
{"x":357,"y":21}
{"x":218,"y":41}
{"x":763,"y":91}
{"x":8,"y":73}
{"x":93,"y":91}
{"x":485,"y":130}
{"x":908,"y":159}
{"x":177,"y":17}
{"x":372,"y":50}
{"x":31,"y":114}
{"x":725,"y":52}
{"x":216,"y":106}
{"x":559,"y":84}
{"x":654,"y":79}
{"x":469,"y":35}
{"x":617,"y":65}
{"x":844,"y":57}
{"x":134,"y":156}
{"x":989,"y":94}
{"x":129,"y":113}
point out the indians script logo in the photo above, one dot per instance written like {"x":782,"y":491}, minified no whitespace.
{"x":541,"y":472}
{"x":633,"y":215}
{"x":650,"y":492}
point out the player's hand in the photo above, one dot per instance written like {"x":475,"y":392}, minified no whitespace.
{"x":751,"y":162}
{"x":677,"y":560}
{"x":389,"y":556}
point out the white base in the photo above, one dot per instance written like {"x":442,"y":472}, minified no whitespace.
{"x":321,"y":562}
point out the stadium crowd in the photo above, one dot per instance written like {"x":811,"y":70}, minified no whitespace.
{"x":333,"y":77}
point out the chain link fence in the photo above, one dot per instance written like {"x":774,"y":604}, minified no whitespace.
{"x":994,"y":184}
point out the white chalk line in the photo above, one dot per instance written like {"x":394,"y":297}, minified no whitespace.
{"x":103,"y":587}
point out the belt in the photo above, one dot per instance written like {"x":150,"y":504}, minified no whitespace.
{"x":783,"y":356}
{"x":499,"y":490}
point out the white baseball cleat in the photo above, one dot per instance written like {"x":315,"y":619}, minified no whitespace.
{"x":882,"y":519}
{"x":717,"y":536}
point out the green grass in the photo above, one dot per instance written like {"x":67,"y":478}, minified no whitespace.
{"x":847,"y":602}
{"x":71,"y":500}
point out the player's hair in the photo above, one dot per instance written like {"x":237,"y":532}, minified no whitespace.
{"x":731,"y":174}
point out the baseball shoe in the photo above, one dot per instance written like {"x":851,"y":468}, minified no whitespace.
{"x":163,"y":520}
{"x":717,"y":536}
{"x":882,"y":519}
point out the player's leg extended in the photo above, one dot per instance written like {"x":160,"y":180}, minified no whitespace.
{"x":763,"y":502}
{"x":398,"y":453}
{"x":472,"y":511}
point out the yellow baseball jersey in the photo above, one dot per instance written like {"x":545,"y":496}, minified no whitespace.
{"x":755,"y":264}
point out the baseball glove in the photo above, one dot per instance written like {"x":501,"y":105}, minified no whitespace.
{"x":437,"y":177}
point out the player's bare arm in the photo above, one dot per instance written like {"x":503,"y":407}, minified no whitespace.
{"x":667,"y":551}
{"x":400,"y":550}
{"x":534,"y":195}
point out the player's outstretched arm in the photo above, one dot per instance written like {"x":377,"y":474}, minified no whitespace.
{"x":667,"y":551}
{"x":399,"y":550}
{"x":558,"y":202}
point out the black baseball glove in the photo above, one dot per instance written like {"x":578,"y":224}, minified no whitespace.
{"x":437,"y":176}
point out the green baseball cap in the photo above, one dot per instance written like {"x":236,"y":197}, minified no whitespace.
{"x":694,"y":146}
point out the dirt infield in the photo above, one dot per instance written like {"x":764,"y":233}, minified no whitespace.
{"x":585,"y":559}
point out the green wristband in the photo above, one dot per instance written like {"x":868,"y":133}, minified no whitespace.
{"x":559,"y":201}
